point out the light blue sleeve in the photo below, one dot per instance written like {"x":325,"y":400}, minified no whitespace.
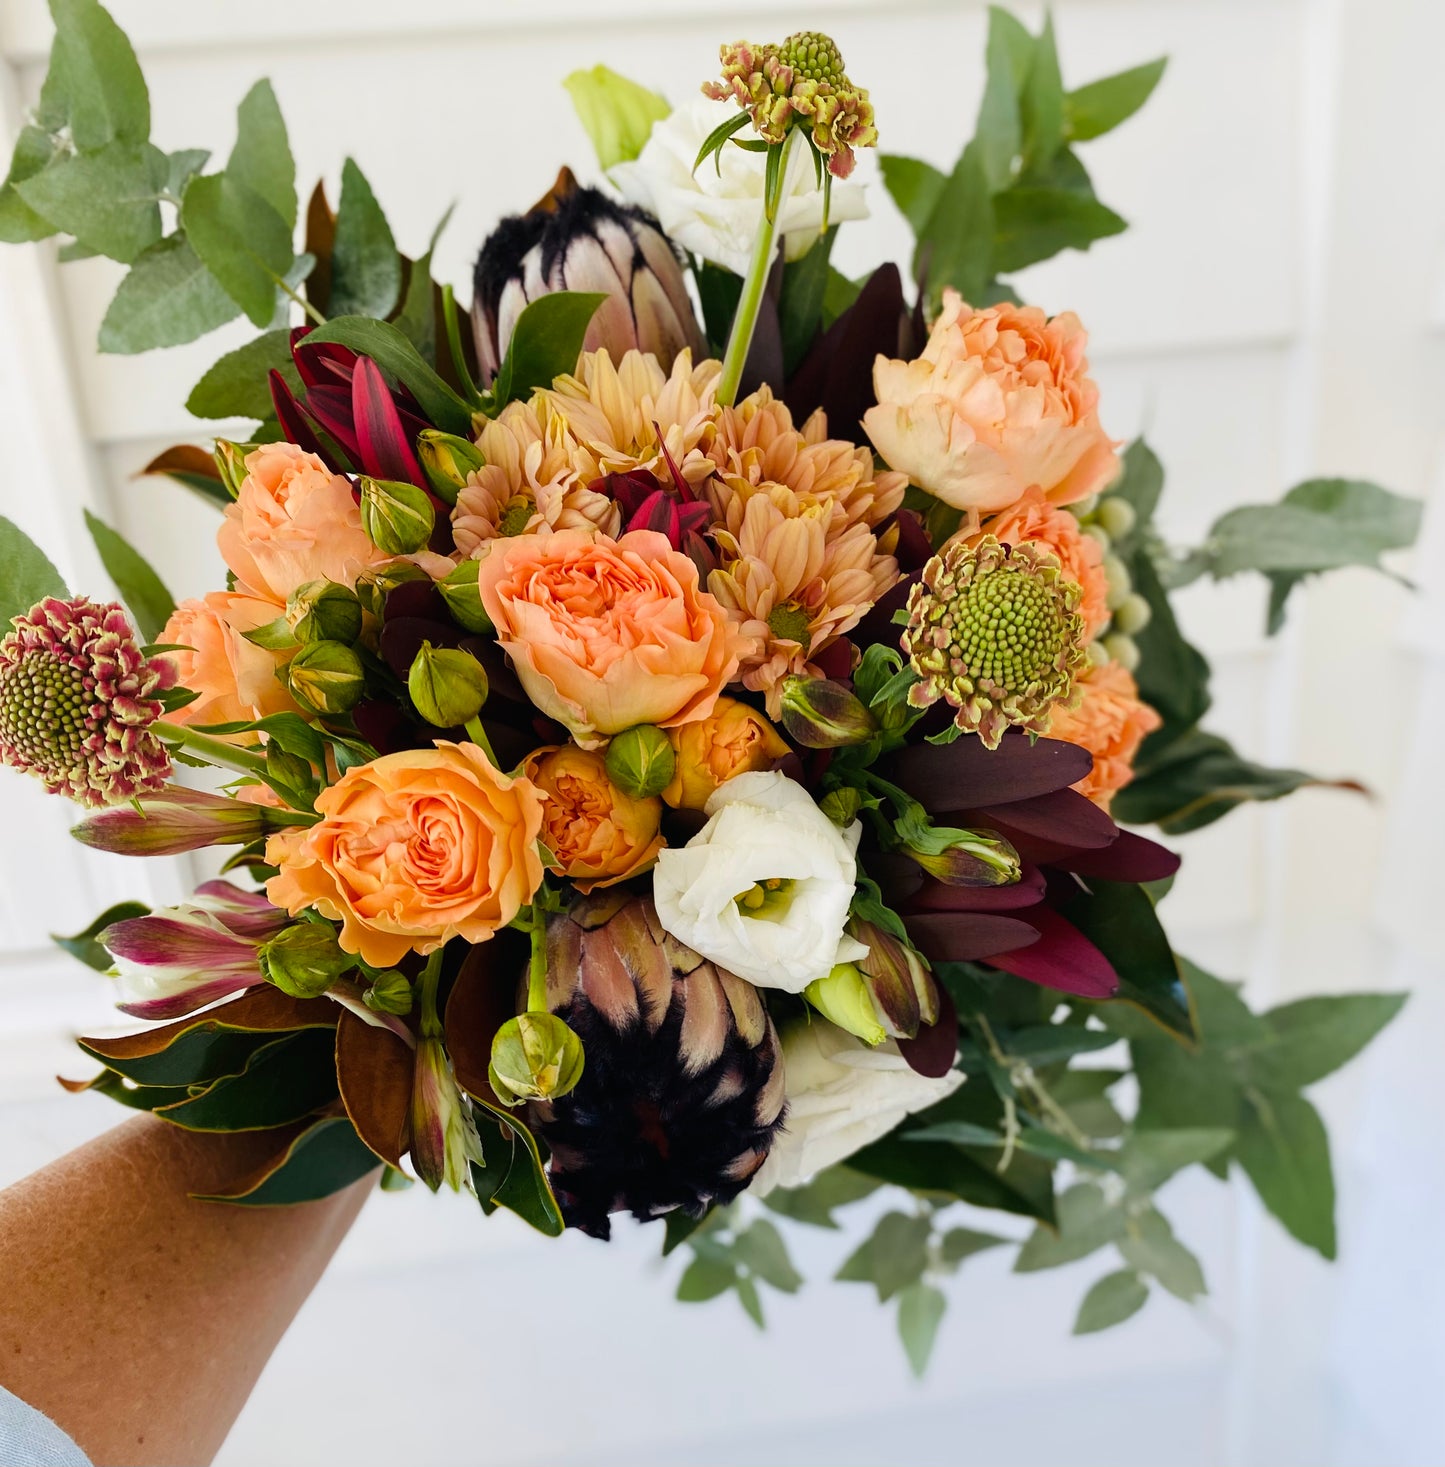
{"x":28,"y":1439}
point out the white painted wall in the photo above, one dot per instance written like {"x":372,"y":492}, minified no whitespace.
{"x":1275,"y":311}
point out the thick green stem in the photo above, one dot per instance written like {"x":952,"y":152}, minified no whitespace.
{"x":750,"y":302}
{"x":214,"y":751}
{"x":431,"y":1024}
{"x":478,"y":735}
{"x":537,"y":966}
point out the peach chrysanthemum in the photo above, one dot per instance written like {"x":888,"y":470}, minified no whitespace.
{"x":1110,"y":721}
{"x":1080,"y":556}
{"x":528,"y":484}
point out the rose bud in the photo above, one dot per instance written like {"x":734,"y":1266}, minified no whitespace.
{"x":458,"y":589}
{"x":305,"y":960}
{"x":898,"y":980}
{"x":447,"y":461}
{"x":732,"y":739}
{"x":822,"y":714}
{"x":578,"y":239}
{"x":641,"y":761}
{"x":448,"y":687}
{"x":843,"y":997}
{"x":326,"y":677}
{"x":374,"y":586}
{"x":398,"y":518}
{"x":534,"y":1057}
{"x":323,"y":611}
{"x":390,"y":993}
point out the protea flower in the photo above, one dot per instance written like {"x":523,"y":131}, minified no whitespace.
{"x":77,"y":701}
{"x":683,"y":1087}
{"x":578,"y":239}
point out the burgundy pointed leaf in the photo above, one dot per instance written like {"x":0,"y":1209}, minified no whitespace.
{"x":913,"y":550}
{"x":418,"y":598}
{"x":1062,"y":958}
{"x":1061,"y":817}
{"x":964,"y":775}
{"x":330,"y":409}
{"x":836,"y":660}
{"x":1130,"y":858}
{"x":960,"y":937}
{"x":385,"y":449}
{"x":321,"y":364}
{"x":293,"y":420}
{"x":935,"y":1047}
{"x":878,"y":626}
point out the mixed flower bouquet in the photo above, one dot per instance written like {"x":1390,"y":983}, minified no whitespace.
{"x":665,"y":776}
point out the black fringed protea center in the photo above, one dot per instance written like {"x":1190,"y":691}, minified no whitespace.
{"x":683,"y":1087}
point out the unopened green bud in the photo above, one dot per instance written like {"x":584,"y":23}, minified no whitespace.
{"x":459,"y":590}
{"x":1097,"y":532}
{"x":966,"y":857}
{"x":231,"y":463}
{"x":305,"y":960}
{"x":534,"y":1057}
{"x":1117,"y":516}
{"x":1132,"y":615}
{"x":822,"y":714}
{"x":326,"y":677}
{"x":842,"y":806}
{"x":398,"y":518}
{"x":291,"y":769}
{"x":843,"y":999}
{"x":1121,"y":583}
{"x":1123,"y":649}
{"x":447,"y":461}
{"x":447,"y":686}
{"x":374,"y":586}
{"x":641,"y":761}
{"x":899,"y":982}
{"x":1083,"y":508}
{"x":1098,"y":653}
{"x":323,"y":611}
{"x":390,"y":993}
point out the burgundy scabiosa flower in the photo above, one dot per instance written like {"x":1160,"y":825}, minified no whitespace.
{"x":77,"y":701}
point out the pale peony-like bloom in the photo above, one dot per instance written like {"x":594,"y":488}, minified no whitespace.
{"x":1000,"y":400}
{"x":1110,"y":721}
{"x":842,"y":1096}
{"x":715,"y":211}
{"x":763,"y":889}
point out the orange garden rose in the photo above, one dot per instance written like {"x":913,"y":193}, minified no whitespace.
{"x":414,"y":849}
{"x":732,"y":739}
{"x":1111,"y":722}
{"x":599,"y":834}
{"x":294,"y":521}
{"x":237,"y":681}
{"x":1000,"y":400}
{"x":1080,"y":556}
{"x":605,"y":634}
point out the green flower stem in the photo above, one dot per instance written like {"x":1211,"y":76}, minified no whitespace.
{"x":478,"y":735}
{"x":213,"y":751}
{"x":537,"y":965}
{"x":431,"y":1024}
{"x":750,"y":301}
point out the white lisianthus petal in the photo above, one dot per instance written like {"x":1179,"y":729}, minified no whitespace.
{"x":763,"y":827}
{"x":842,"y":1096}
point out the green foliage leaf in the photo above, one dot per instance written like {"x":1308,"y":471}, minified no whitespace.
{"x":1150,"y":1158}
{"x":1041,"y":103}
{"x":921,"y":1309}
{"x":1173,"y":675}
{"x":814,"y":1202}
{"x":1150,"y":1247}
{"x":704,"y":1279}
{"x":914,"y":186}
{"x":616,"y":113}
{"x":261,"y":158}
{"x":800,"y":311}
{"x":955,"y":247}
{"x":83,"y":945}
{"x":1111,"y":1301}
{"x":168,"y":297}
{"x":1092,"y":110}
{"x":417,"y":317}
{"x":999,"y":134}
{"x":760,"y":1248}
{"x":237,"y":386}
{"x":323,"y":1159}
{"x":1033,"y":224}
{"x":1285,"y":1152}
{"x":1141,"y":483}
{"x":198,"y":1057}
{"x":182,"y":166}
{"x":95,"y":84}
{"x":35,"y":150}
{"x":1082,"y":1095}
{"x":513,"y":1174}
{"x":1314,"y":1037}
{"x":109,"y":199}
{"x":142,"y":590}
{"x":26,"y":574}
{"x":281,"y":1082}
{"x":960,"y":1243}
{"x":1087,"y":1221}
{"x":365,"y":267}
{"x":893,"y":1257}
{"x":546,"y":343}
{"x":288,"y":731}
{"x":241,"y":239}
{"x":719,"y":289}
{"x":747,"y":1292}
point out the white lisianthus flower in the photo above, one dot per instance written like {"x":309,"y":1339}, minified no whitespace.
{"x":715,"y":213}
{"x":842,"y":1096}
{"x":763,"y":888}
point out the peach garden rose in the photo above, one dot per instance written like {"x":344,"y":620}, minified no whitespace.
{"x":732,"y":739}
{"x":605,"y":634}
{"x":412,"y":850}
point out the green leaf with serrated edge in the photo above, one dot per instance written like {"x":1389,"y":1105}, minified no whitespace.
{"x":1285,"y":1151}
{"x":282,"y":1081}
{"x":242,"y":240}
{"x":704,"y":1279}
{"x":1314,"y":1037}
{"x":913,"y":185}
{"x":760,"y":1248}
{"x":1150,"y":1157}
{"x":365,"y":267}
{"x":1150,"y":1247}
{"x":800,"y":309}
{"x":35,"y":150}
{"x":920,"y":1311}
{"x":1173,"y":676}
{"x":748,"y":1297}
{"x":109,"y":200}
{"x":325,"y":1158}
{"x":960,"y":1243}
{"x":1115,"y":1298}
{"x":83,"y":946}
{"x":1033,"y":224}
{"x":1092,"y":110}
{"x":142,"y":590}
{"x":237,"y":386}
{"x":26,"y":574}
{"x":545,"y":344}
{"x":1041,"y":103}
{"x":617,"y":114}
{"x":999,"y":131}
{"x":956,"y":245}
{"x":104,"y":91}
{"x":398,"y":358}
{"x":167,"y":298}
{"x":261,"y":158}
{"x":815,"y":1201}
{"x":523,"y":1188}
{"x":1087,"y":1221}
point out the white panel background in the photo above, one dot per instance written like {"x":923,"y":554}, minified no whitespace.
{"x":1275,"y":311}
